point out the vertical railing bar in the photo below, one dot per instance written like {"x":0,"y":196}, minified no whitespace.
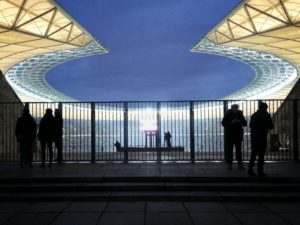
{"x":158,"y":132}
{"x":192,"y":132}
{"x":82,"y":149}
{"x":93,"y":138}
{"x":125,"y":117}
{"x":220,"y":131}
{"x":202,"y":147}
{"x":185,"y":135}
{"x":225,"y":107}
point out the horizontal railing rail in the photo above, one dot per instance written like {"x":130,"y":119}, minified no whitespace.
{"x":91,"y":129}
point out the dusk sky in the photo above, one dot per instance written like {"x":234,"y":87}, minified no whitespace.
{"x":149,"y":57}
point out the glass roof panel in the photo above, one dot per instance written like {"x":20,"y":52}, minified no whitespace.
{"x":61,"y":35}
{"x":32,"y":9}
{"x":261,"y":39}
{"x":78,"y":41}
{"x":4,"y":54}
{"x":286,"y":44}
{"x":290,"y":32}
{"x":58,"y":22}
{"x":241,"y":18}
{"x":40,"y":43}
{"x":224,"y":29}
{"x":15,"y":37}
{"x":75,"y":32}
{"x":212,"y":37}
{"x":293,"y":8}
{"x":238,"y":31}
{"x":8,"y":12}
{"x":272,"y":7}
{"x":263,"y":22}
{"x":222,"y":38}
{"x":39,"y":25}
{"x":86,"y":40}
{"x":15,"y":48}
{"x":27,"y":35}
{"x":61,"y":47}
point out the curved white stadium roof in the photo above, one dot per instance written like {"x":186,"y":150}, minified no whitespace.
{"x":36,"y":35}
{"x":274,"y":77}
{"x":264,"y":34}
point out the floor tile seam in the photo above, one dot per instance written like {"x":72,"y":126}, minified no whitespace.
{"x":17,"y":213}
{"x":188,"y":213}
{"x":232,"y":214}
{"x":208,"y":212}
{"x":81,"y":212}
{"x":278,"y":214}
{"x":60,"y":213}
{"x":145,"y":212}
{"x":281,"y":217}
{"x":102,"y":213}
{"x":10,"y":218}
{"x":165,"y":211}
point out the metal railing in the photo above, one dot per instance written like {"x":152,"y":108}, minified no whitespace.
{"x":91,"y":129}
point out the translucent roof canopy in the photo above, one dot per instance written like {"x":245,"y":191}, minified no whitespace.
{"x":34,"y":27}
{"x":270,"y":26}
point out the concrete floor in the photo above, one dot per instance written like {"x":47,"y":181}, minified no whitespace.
{"x":146,"y":212}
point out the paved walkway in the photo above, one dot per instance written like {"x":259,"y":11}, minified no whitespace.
{"x":146,"y":212}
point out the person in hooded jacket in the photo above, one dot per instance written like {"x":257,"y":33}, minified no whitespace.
{"x":46,"y":135}
{"x":233,"y":123}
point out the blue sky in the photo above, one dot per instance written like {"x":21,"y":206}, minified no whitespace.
{"x":149,"y":59}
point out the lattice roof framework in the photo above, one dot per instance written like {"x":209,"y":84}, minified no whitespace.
{"x":30,"y":28}
{"x":269,"y":26}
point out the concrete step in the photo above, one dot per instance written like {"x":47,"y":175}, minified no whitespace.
{"x":150,"y":186}
{"x":148,"y":179}
{"x":154,"y":196}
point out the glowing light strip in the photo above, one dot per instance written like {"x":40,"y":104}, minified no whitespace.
{"x":28,"y":77}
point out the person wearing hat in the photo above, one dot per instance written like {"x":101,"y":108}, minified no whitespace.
{"x":260,"y":123}
{"x":233,"y":123}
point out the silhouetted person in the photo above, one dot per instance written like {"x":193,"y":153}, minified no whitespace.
{"x":26,"y":133}
{"x":233,"y":123}
{"x":167,"y":139}
{"x":46,"y":135}
{"x":260,"y":123}
{"x":117,"y":145}
{"x":58,"y":134}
